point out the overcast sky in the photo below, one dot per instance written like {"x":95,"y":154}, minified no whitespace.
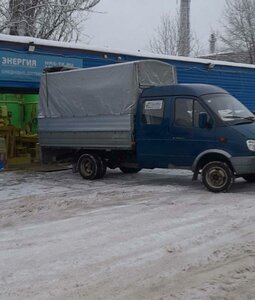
{"x":129,"y":24}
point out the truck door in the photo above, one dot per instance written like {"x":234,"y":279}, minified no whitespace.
{"x":186,"y":139}
{"x":152,"y":135}
{"x":167,"y":132}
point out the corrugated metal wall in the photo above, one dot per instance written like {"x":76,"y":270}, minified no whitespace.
{"x":239,"y":81}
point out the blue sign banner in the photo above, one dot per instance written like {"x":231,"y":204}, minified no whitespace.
{"x":15,"y":66}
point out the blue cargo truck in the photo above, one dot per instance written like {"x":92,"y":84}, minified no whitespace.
{"x":135,"y":116}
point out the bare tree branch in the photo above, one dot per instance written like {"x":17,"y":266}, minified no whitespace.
{"x":48,"y":19}
{"x":166,"y":38}
{"x":239,"y":25}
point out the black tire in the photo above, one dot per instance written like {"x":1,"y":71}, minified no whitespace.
{"x":129,"y":170}
{"x":249,"y":177}
{"x":88,"y":166}
{"x":101,"y":167}
{"x":217,"y":177}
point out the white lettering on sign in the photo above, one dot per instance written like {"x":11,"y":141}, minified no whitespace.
{"x":14,"y":61}
{"x":156,"y":104}
{"x":58,"y":64}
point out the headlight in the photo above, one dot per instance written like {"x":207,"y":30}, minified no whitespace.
{"x":251,"y":145}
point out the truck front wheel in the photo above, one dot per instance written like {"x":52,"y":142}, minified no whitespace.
{"x":88,"y":166}
{"x":217,"y":176}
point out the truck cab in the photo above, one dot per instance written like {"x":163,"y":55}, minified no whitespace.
{"x":197,"y":127}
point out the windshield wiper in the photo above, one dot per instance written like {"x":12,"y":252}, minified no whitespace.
{"x":251,"y":118}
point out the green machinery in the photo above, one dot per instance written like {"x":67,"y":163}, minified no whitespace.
{"x":19,"y":111}
{"x":30,"y":110}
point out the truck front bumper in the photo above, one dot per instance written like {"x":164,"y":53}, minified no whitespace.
{"x":243,"y":165}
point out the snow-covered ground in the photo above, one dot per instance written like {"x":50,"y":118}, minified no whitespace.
{"x":153,"y":235}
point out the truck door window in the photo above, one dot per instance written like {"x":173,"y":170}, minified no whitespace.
{"x":183,"y":112}
{"x":187,"y":112}
{"x":153,"y":112}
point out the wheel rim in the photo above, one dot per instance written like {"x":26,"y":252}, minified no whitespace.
{"x":216,"y":177}
{"x":87,"y":167}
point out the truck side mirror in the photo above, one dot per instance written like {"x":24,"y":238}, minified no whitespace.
{"x":202,"y":120}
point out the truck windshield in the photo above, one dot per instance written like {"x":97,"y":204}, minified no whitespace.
{"x":229,"y":109}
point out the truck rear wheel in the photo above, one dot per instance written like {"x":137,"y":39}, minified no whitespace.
{"x":88,"y":166}
{"x":101,"y":167}
{"x":129,"y":170}
{"x":217,"y":177}
{"x":249,"y":177}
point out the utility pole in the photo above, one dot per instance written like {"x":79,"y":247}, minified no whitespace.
{"x":184,"y":28}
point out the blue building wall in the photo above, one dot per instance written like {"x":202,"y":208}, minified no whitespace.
{"x":20,"y":69}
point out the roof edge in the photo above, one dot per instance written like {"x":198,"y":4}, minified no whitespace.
{"x":84,"y":47}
